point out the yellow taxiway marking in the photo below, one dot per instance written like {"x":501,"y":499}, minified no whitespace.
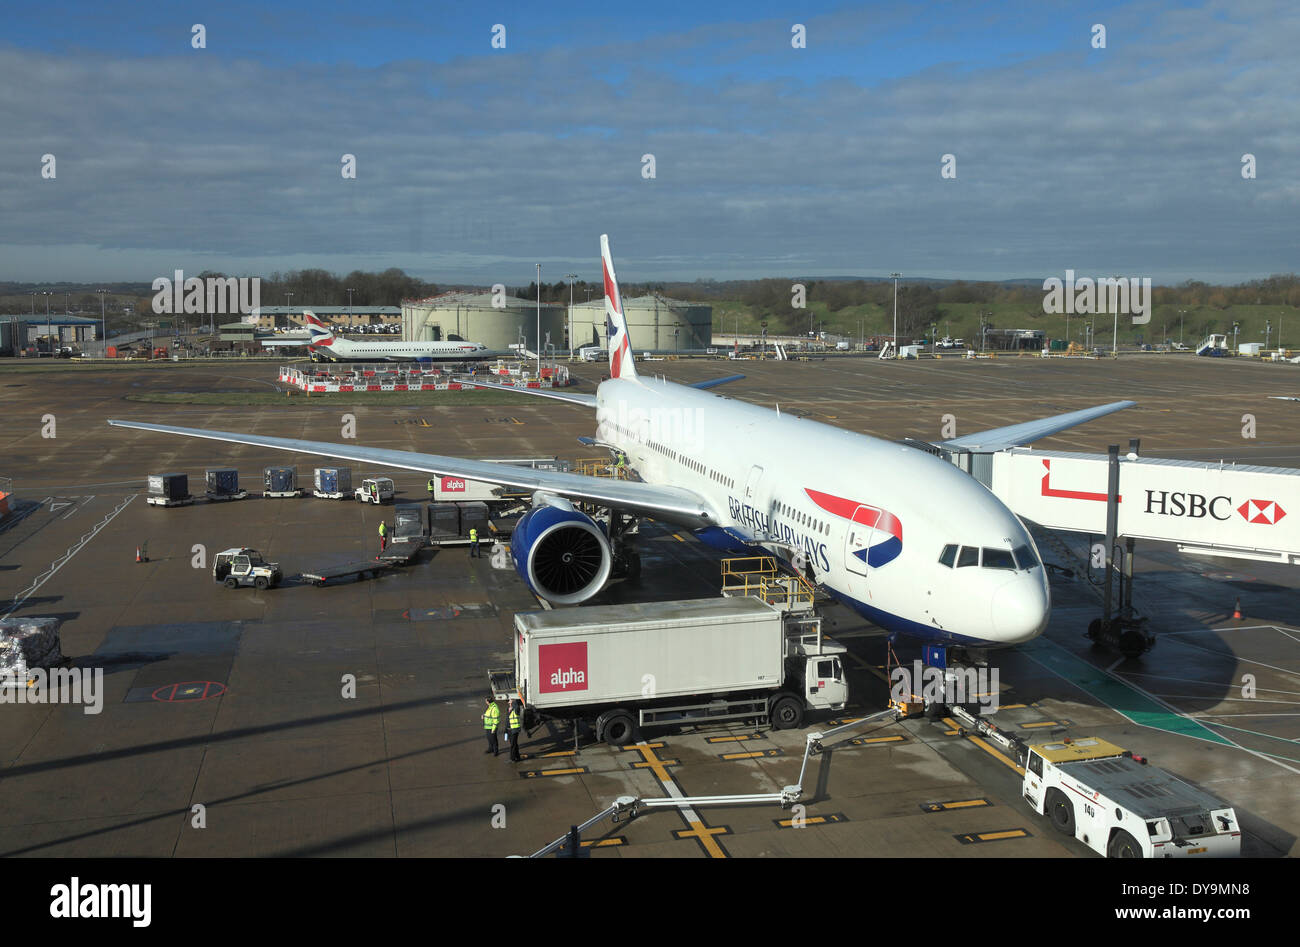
{"x":556,"y":753}
{"x":1043,"y":723}
{"x":753,"y":754}
{"x":998,"y":755}
{"x":811,"y":820}
{"x":651,"y":761}
{"x":704,"y":834}
{"x":1011,"y":706}
{"x":678,"y":538}
{"x":867,"y":741}
{"x":991,"y":836}
{"x":605,"y":842}
{"x":573,"y":771}
{"x":739,"y":737}
{"x":954,"y":804}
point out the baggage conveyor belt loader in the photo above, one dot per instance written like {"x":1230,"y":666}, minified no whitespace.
{"x":623,"y":667}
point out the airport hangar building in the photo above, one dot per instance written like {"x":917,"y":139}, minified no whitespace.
{"x":656,"y":323}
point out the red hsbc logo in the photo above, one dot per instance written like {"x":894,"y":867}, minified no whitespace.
{"x":1267,"y":512}
{"x":453,"y":485}
{"x":563,"y":667}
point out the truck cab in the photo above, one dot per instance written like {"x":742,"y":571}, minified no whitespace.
{"x":825,"y":687}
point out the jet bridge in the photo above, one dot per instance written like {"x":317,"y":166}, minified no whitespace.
{"x":1235,"y":510}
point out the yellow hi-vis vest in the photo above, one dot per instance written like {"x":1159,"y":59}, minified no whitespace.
{"x":430,"y":486}
{"x":514,"y":720}
{"x":383,"y":529}
{"x":491,"y":716}
{"x":473,"y":535}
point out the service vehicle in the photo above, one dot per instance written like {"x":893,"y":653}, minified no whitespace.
{"x":1121,"y":807}
{"x":244,"y":566}
{"x":375,"y":490}
{"x":624,"y":667}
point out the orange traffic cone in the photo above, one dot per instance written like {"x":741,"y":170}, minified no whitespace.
{"x":138,"y":557}
{"x":1236,"y":610}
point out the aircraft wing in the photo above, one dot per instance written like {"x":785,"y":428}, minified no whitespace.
{"x":1015,"y":435}
{"x":675,"y":504}
{"x":573,"y":397}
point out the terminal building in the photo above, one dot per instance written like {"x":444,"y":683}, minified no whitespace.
{"x":345,"y":317}
{"x":655,"y":323}
{"x":471,"y":317}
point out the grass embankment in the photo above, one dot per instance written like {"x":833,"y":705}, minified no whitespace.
{"x":962,"y":320}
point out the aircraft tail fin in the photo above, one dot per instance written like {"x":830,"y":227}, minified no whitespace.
{"x":320,"y":333}
{"x":621,"y":364}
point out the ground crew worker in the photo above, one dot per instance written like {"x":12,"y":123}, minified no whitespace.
{"x":473,"y":544}
{"x":491,"y":717}
{"x":383,"y":535}
{"x":515,"y":712}
{"x":430,"y":488}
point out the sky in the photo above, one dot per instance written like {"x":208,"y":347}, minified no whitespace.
{"x":770,"y":158}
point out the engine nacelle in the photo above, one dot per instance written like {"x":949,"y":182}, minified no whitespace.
{"x":562,"y":554}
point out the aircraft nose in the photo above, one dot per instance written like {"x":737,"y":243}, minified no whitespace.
{"x":1021,"y":609}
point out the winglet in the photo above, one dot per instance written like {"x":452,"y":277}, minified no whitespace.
{"x":620,"y":345}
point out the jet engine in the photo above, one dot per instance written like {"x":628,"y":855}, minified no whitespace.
{"x":562,"y":553}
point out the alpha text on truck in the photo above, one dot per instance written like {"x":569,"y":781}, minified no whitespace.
{"x":623,"y":667}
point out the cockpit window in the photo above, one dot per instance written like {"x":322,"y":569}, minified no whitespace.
{"x":969,"y":556}
{"x":1025,"y":558}
{"x":998,"y":559}
{"x":948,"y":556}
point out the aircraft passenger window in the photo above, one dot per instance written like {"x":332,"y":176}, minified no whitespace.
{"x":998,"y":559}
{"x":969,"y":556}
{"x":1025,"y":558}
{"x":948,"y":556}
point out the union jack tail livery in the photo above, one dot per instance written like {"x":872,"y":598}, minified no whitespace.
{"x":620,"y":346}
{"x":320,"y":333}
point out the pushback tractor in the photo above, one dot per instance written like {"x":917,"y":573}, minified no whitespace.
{"x":1120,"y":807}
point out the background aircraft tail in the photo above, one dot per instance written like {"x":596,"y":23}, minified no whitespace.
{"x":620,"y":345}
{"x":319,"y":332}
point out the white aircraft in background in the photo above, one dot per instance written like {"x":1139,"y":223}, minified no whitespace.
{"x":323,"y":343}
{"x":897,"y":533}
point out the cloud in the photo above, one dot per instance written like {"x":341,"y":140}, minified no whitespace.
{"x":769,"y":161}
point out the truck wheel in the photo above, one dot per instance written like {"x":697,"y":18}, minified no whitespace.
{"x":616,"y":727}
{"x":786,"y":713}
{"x":232,"y":582}
{"x":260,"y":583}
{"x":1123,"y":845}
{"x":1060,"y":811}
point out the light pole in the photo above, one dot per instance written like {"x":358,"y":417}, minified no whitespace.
{"x":1180,"y":325}
{"x":1235,"y":327}
{"x":895,"y":278}
{"x":1268,"y":331}
{"x":48,"y":294}
{"x":350,"y":292}
{"x":539,"y":320}
{"x":571,"y":277}
{"x":1114,"y":339}
{"x":103,"y":319}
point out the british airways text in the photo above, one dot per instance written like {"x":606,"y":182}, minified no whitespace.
{"x":778,"y":532}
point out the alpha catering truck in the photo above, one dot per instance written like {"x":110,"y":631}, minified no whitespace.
{"x":623,"y":667}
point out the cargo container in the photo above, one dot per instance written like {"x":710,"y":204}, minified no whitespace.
{"x":462,"y":489}
{"x":444,"y":522}
{"x":408,"y":523}
{"x":281,"y":482}
{"x":169,"y":489}
{"x":623,"y":667}
{"x":333,"y":483}
{"x":223,"y":484}
{"x":474,"y":516}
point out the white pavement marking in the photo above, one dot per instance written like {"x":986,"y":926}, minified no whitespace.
{"x":63,"y":560}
